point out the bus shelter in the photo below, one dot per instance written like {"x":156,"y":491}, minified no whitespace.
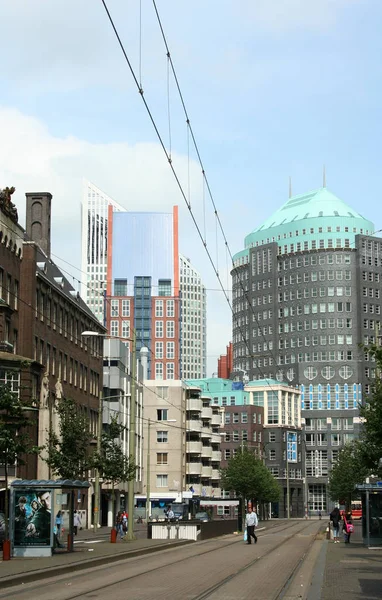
{"x":33,"y":509}
{"x":371,"y":494}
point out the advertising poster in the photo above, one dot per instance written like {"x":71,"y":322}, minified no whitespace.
{"x":32,"y":517}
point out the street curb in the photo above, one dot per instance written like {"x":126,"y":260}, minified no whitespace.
{"x":20,"y":578}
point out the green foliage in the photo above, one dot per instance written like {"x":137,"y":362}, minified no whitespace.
{"x":348,"y":471}
{"x":14,"y":442}
{"x":249,"y":478}
{"x":114,"y":466}
{"x":371,"y":412}
{"x":68,"y":454}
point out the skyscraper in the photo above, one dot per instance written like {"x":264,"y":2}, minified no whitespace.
{"x":193,"y":321}
{"x":94,"y":246}
{"x":306,"y":293}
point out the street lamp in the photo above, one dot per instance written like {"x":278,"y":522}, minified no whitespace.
{"x":130,"y":483}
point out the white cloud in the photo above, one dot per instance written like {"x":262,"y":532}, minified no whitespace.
{"x":138,"y":177}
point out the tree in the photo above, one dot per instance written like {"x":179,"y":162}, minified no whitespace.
{"x":14,"y":441}
{"x":249,"y":478}
{"x":67,"y":453}
{"x":348,"y":471}
{"x":371,"y":413}
{"x":114,"y":466}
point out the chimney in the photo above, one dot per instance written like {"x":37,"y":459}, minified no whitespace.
{"x":38,"y":212}
{"x":144,"y":352}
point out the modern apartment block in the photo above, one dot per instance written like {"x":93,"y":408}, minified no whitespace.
{"x":117,"y":369}
{"x":306,"y":293}
{"x":94,"y":236}
{"x":182,"y":443}
{"x":259,"y":416}
{"x":193,"y":321}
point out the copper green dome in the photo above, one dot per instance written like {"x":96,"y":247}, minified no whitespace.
{"x":316,"y":220}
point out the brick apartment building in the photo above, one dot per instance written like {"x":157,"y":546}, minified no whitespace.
{"x":42,"y":318}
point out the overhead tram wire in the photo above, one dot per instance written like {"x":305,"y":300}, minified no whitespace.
{"x":140,"y":90}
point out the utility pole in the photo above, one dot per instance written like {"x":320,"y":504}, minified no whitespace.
{"x":148,"y":473}
{"x":132,"y":449}
{"x":96,"y":479}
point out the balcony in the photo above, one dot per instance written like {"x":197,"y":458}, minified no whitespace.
{"x":195,"y":404}
{"x":216,"y":492}
{"x":194,"y":425}
{"x":215,"y":474}
{"x":216,"y":456}
{"x":194,"y":468}
{"x":207,"y":471}
{"x":206,"y":451}
{"x":194,"y":447}
{"x":207,"y":412}
{"x":206,"y":432}
{"x":215,"y":438}
{"x":216,"y":419}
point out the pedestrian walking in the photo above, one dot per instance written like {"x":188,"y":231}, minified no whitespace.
{"x":58,"y":523}
{"x":348,"y":527}
{"x":119,"y":524}
{"x":335,"y":517}
{"x":251,"y":522}
{"x":76,"y":522}
{"x":319,"y":515}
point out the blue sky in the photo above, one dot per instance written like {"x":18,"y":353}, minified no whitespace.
{"x":274,"y":88}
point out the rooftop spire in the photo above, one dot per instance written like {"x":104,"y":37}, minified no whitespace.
{"x":324,"y":177}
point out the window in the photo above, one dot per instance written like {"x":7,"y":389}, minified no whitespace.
{"x":114,"y":308}
{"x":158,"y":349}
{"x":158,"y":329}
{"x":227,"y":454}
{"x":170,"y":329}
{"x":162,"y":458}
{"x":235,"y":436}
{"x":170,"y":350}
{"x":244,"y":417}
{"x":159,"y":308}
{"x":158,"y":370}
{"x":126,"y":308}
{"x":170,"y":370}
{"x":125,"y":329}
{"x":272,"y":436}
{"x":272,"y":454}
{"x":114,"y":328}
{"x":162,"y":437}
{"x":120,"y":287}
{"x":227,"y":418}
{"x":162,"y":414}
{"x":235,"y":418}
{"x":170,"y":308}
{"x":254,"y":418}
{"x":162,"y":481}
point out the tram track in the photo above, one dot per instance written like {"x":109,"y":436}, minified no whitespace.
{"x":205,"y":594}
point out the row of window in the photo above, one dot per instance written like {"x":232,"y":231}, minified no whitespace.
{"x":321,"y":439}
{"x":290,"y":327}
{"x":162,"y":369}
{"x":370,"y":276}
{"x":60,"y":318}
{"x":9,"y":290}
{"x":293,"y":473}
{"x":65,"y":368}
{"x":315,"y":340}
{"x":307,"y":309}
{"x":314,"y":276}
{"x":372,"y":309}
{"x":240,"y":417}
{"x":336,"y":423}
{"x":312,"y":292}
{"x":315,"y":259}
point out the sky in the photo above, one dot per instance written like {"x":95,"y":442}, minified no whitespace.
{"x":273,"y":89}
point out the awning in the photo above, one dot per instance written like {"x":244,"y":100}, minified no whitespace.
{"x":66,"y":484}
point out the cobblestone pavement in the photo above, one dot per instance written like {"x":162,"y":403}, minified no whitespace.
{"x":223,"y":568}
{"x":352,"y":571}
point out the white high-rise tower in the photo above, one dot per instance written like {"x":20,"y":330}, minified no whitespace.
{"x":94,"y":246}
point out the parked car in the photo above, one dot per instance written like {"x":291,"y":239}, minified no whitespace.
{"x":2,"y":528}
{"x":202,"y":516}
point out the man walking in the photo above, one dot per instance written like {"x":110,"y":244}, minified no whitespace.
{"x":251,"y":522}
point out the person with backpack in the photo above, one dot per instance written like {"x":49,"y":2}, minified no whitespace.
{"x":335,"y":517}
{"x":348,"y":527}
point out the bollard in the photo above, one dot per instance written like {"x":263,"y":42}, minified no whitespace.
{"x":7,"y":550}
{"x":168,"y":531}
{"x":113,"y":536}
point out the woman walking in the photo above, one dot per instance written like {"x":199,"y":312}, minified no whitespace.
{"x":348,"y":527}
{"x":335,"y":517}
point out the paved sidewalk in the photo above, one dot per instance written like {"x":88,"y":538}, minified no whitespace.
{"x":351,"y":571}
